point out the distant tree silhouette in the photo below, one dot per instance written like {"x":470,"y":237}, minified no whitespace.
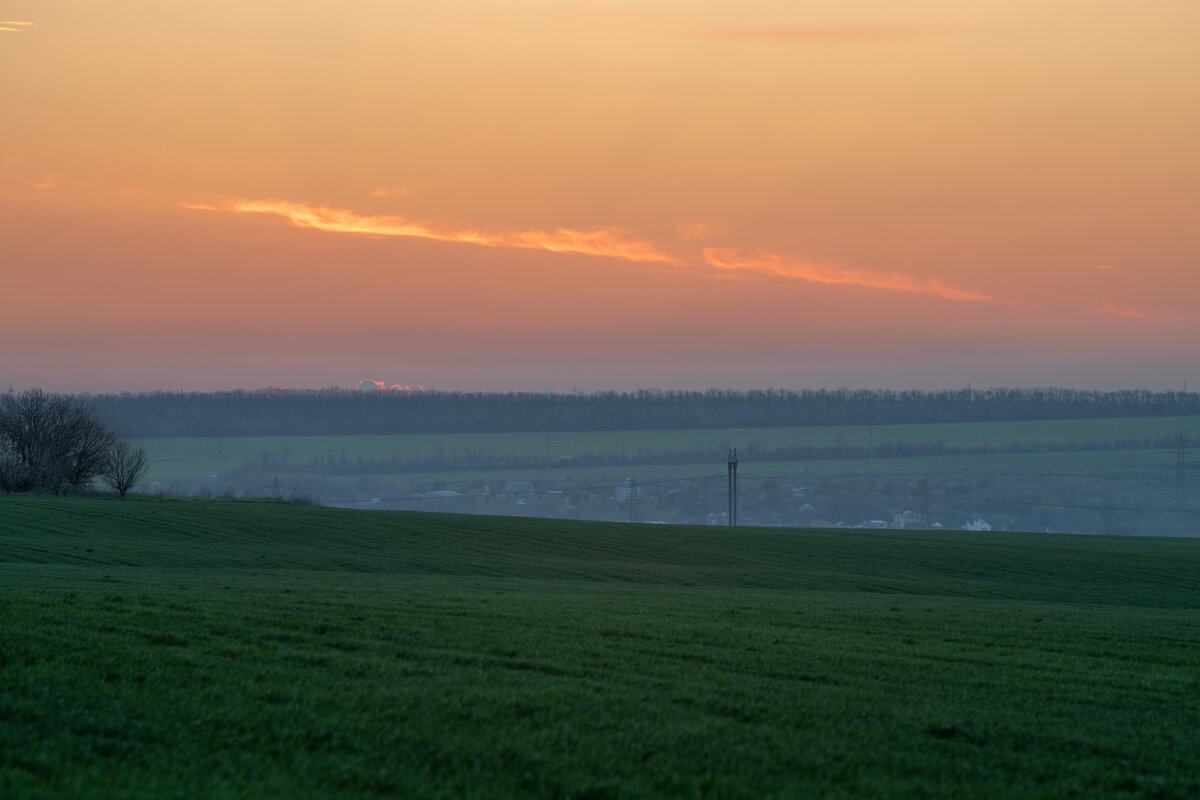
{"x":124,"y":466}
{"x":285,"y":412}
{"x":51,"y":443}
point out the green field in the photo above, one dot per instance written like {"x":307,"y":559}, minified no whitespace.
{"x":191,"y":458}
{"x":176,"y":648}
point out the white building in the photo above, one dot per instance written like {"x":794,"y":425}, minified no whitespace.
{"x":908,"y":519}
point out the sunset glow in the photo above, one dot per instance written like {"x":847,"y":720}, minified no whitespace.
{"x":599,"y":195}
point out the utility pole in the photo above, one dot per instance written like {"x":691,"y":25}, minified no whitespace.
{"x":732,"y":463}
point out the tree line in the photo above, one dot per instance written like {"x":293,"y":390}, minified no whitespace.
{"x":279,"y":412}
{"x":54,"y":444}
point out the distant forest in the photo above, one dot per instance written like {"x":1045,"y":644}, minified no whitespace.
{"x":286,"y":412}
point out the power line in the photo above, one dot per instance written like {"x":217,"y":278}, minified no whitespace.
{"x":567,"y":489}
{"x":924,"y":494}
{"x":1011,"y":501}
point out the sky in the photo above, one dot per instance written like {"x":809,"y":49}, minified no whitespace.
{"x":531,"y":194}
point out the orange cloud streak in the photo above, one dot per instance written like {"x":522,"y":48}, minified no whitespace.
{"x":736,"y":262}
{"x":1137,"y":313}
{"x":610,"y":242}
{"x":390,"y":192}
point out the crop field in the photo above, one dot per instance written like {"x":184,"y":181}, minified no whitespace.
{"x":184,"y":648}
{"x":192,"y":458}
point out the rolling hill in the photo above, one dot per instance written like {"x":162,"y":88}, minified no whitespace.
{"x":181,"y":648}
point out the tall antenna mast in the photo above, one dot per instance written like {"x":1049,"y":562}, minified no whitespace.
{"x":732,"y":464}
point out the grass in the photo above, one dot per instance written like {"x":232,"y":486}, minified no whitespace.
{"x":172,"y":648}
{"x":197,"y":458}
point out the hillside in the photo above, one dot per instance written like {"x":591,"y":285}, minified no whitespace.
{"x":184,"y":648}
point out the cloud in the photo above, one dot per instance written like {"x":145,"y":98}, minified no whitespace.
{"x":390,"y":192}
{"x":610,"y":242}
{"x":16,"y":27}
{"x":783,"y":266}
{"x":690,"y":231}
{"x":370,"y":384}
{"x":47,"y":182}
{"x":1137,"y":313}
{"x":797,"y":34}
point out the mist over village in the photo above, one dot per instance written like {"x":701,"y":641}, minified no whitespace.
{"x":599,"y":400}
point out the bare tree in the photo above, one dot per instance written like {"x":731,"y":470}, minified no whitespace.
{"x":12,"y":471}
{"x":87,"y":445}
{"x":124,"y":466}
{"x":58,"y":444}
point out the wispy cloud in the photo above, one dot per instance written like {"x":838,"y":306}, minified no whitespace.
{"x":691,"y":231}
{"x":390,"y":192}
{"x":1138,"y":313}
{"x":610,"y":242}
{"x":47,"y":182}
{"x":16,"y":27}
{"x":784,"y":266}
{"x":797,"y":34}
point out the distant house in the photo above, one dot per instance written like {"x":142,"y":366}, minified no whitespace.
{"x":521,"y":490}
{"x":909,"y":519}
{"x":627,"y":492}
{"x":977,"y":524}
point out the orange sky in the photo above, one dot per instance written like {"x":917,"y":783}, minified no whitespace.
{"x":535,"y":194}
